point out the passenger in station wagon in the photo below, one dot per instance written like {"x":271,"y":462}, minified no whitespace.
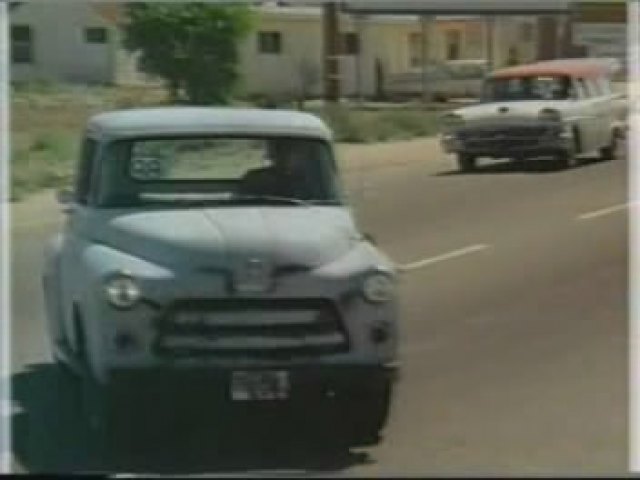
{"x":563,"y":89}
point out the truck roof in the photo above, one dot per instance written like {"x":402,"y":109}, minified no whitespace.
{"x":167,"y":121}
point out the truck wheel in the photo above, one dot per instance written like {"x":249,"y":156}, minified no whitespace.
{"x":466,"y":163}
{"x":97,"y":424}
{"x":105,"y":422}
{"x":76,"y":417}
{"x":365,"y":416}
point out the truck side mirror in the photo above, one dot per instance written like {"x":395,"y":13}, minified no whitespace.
{"x":65,"y":200}
{"x":370,"y":238}
{"x":64,"y":196}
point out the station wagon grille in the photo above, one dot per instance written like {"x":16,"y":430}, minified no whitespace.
{"x":504,"y":137}
{"x":254,"y":328}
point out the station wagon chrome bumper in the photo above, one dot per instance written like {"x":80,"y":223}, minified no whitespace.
{"x":505,"y":141}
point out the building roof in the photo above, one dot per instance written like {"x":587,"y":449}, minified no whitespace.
{"x":165,"y":121}
{"x":573,"y":67}
{"x":455,"y":7}
{"x":313,"y":11}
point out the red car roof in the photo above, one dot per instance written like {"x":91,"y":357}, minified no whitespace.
{"x":574,"y":67}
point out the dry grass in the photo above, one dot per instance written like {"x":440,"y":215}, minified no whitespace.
{"x":47,"y":122}
{"x":46,"y":125}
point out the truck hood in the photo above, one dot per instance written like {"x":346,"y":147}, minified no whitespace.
{"x":525,"y":111}
{"x":223,"y":238}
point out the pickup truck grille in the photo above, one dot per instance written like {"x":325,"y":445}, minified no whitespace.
{"x":251,"y":328}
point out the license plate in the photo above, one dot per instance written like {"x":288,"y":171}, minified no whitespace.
{"x":259,"y":385}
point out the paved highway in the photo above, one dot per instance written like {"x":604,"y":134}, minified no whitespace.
{"x":514,"y":328}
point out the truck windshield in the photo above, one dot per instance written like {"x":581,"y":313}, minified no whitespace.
{"x":219,"y":170}
{"x":527,"y":88}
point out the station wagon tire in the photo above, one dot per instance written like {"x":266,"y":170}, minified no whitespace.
{"x":466,"y":163}
{"x":612,"y":151}
{"x":566,"y":160}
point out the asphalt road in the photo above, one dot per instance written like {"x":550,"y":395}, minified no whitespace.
{"x":514,"y":329}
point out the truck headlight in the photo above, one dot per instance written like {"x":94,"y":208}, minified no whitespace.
{"x":378,"y":288}
{"x":122,"y":290}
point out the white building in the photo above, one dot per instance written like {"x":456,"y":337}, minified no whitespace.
{"x":81,"y":42}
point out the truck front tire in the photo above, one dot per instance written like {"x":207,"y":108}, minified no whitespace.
{"x":365,"y":415}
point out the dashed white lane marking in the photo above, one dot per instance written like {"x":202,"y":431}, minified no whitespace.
{"x":440,"y":258}
{"x":603,"y":211}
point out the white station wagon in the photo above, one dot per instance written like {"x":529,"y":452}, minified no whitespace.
{"x":213,"y":249}
{"x":559,"y":109}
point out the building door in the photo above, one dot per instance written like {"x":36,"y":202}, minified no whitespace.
{"x":452,"y":42}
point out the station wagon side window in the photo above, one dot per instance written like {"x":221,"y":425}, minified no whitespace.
{"x":605,"y":85}
{"x":594,"y":87}
{"x":581,"y":89}
{"x":85,"y":170}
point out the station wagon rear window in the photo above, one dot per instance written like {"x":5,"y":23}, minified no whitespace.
{"x":220,"y":169}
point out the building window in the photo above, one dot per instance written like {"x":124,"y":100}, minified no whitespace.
{"x":415,"y":49}
{"x":95,"y":35}
{"x":526,"y":32}
{"x":269,"y":42}
{"x":21,"y":44}
{"x":350,"y":43}
{"x":474,"y":35}
{"x":512,"y":56}
{"x":453,"y":44}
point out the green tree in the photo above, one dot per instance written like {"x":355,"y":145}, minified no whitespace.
{"x":192,"y":46}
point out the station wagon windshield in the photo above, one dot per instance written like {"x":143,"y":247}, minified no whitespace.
{"x":527,"y":88}
{"x":220,"y":170}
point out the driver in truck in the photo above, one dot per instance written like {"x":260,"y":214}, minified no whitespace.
{"x":284,"y":177}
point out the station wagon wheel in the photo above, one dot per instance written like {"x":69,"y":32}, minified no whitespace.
{"x":466,"y":163}
{"x":566,"y":160}
{"x":614,"y":149}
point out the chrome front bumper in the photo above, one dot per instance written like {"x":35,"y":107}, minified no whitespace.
{"x":507,"y":144}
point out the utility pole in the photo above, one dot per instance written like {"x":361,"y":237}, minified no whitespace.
{"x":424,"y":57}
{"x":331,"y":52}
{"x":548,"y":37}
{"x":489,"y":44}
{"x":359,"y":23}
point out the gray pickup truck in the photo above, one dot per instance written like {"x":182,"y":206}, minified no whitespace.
{"x":212,"y":248}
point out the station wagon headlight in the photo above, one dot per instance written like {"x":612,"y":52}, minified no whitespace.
{"x":122,"y":290}
{"x":378,"y":288}
{"x":452,"y":121}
